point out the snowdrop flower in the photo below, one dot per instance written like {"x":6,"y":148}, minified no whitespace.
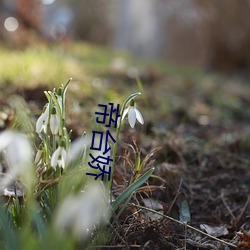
{"x":78,"y":148}
{"x":79,"y":214}
{"x":39,"y":154}
{"x":54,"y":121}
{"x":133,"y":114}
{"x":17,"y":152}
{"x":59,"y":97}
{"x":42,"y":122}
{"x":59,"y":157}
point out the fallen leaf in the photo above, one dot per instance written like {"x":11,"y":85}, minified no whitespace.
{"x":245,"y":236}
{"x":155,"y":205}
{"x":215,"y":231}
{"x":152,"y":204}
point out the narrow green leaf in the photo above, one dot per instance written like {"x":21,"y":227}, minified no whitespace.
{"x":185,"y":212}
{"x":65,"y":87}
{"x":128,"y":191}
{"x":39,"y":222}
{"x":138,"y":163}
{"x":122,"y":209}
{"x":10,"y":236}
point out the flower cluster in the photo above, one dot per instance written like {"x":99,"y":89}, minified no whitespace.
{"x":52,"y":151}
{"x":51,"y":115}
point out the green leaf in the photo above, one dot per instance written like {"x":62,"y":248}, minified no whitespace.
{"x":10,"y":236}
{"x":185,"y":212}
{"x":65,"y":87}
{"x":122,"y":209}
{"x":39,"y":222}
{"x":128,"y":191}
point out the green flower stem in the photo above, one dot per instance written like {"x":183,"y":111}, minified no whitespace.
{"x":54,"y":142}
{"x":109,"y":183}
{"x":47,"y":137}
{"x":65,"y":87}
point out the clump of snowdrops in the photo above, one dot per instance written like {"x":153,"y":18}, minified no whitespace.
{"x":52,"y":203}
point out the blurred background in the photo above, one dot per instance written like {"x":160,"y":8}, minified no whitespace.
{"x":193,"y":60}
{"x":212,"y":34}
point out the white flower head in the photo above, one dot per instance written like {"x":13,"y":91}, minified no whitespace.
{"x":59,"y":97}
{"x":54,"y":121}
{"x":17,"y":152}
{"x":59,"y":157}
{"x":78,"y":148}
{"x":79,"y":214}
{"x":133,"y":114}
{"x":42,"y":122}
{"x":39,"y":154}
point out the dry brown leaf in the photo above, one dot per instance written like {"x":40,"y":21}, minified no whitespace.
{"x":245,"y":236}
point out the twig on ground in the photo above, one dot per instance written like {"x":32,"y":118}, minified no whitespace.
{"x":115,"y":247}
{"x":227,"y":207}
{"x":239,"y":217}
{"x":174,"y":200}
{"x":183,"y":224}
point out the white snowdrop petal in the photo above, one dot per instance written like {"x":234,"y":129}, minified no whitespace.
{"x":5,"y":138}
{"x":78,"y":214}
{"x":64,"y":154}
{"x":59,"y":99}
{"x":46,"y":113}
{"x":38,"y":156}
{"x":44,"y":127}
{"x":55,"y":156}
{"x":139,"y":116}
{"x":124,"y":113}
{"x":63,"y":158}
{"x":132,"y":117}
{"x":18,"y":155}
{"x":79,"y":148}
{"x":19,"y":151}
{"x":61,"y":163}
{"x":54,"y":124}
{"x":39,"y":123}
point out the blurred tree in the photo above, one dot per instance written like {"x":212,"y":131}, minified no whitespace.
{"x":92,"y":20}
{"x":229,"y":34}
{"x":29,"y":14}
{"x":211,"y":33}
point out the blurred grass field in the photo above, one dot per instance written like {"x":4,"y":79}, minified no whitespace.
{"x":172,"y":94}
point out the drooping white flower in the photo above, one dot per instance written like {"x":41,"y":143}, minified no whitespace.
{"x":59,"y":157}
{"x":59,"y":99}
{"x":79,"y":214}
{"x":17,"y":152}
{"x":39,"y":155}
{"x":42,"y":122}
{"x":133,"y":114}
{"x":54,"y":121}
{"x":78,"y":148}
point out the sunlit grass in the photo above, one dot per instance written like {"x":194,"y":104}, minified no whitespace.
{"x":90,"y":66}
{"x":37,"y":65}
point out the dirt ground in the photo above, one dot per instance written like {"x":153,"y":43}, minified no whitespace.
{"x":200,"y":141}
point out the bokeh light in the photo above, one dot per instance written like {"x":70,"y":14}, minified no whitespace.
{"x":11,"y":24}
